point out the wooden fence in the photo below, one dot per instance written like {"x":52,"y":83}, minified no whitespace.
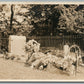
{"x":50,"y":41}
{"x":58,"y":41}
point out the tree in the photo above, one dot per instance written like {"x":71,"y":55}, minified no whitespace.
{"x":11,"y":18}
{"x":61,"y":18}
{"x":42,"y":20}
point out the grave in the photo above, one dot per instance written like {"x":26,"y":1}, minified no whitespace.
{"x":17,"y":45}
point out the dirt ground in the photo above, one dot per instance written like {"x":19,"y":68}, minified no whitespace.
{"x":11,"y":70}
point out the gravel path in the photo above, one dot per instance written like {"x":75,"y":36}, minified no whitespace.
{"x":10,"y":70}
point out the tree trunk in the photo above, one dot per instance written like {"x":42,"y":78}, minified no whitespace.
{"x":11,"y":19}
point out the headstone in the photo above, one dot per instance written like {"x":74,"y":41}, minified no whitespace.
{"x":66,"y":50}
{"x":17,"y":45}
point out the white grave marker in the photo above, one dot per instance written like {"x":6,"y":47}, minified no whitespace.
{"x":17,"y":45}
{"x":66,"y":50}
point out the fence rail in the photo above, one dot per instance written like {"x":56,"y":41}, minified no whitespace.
{"x":50,"y":41}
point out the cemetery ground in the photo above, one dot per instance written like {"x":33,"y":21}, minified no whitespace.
{"x":12,"y":70}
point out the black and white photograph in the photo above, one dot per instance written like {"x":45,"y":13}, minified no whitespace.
{"x":41,"y":42}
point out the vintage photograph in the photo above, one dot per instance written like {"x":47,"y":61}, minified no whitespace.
{"x":41,"y":42}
